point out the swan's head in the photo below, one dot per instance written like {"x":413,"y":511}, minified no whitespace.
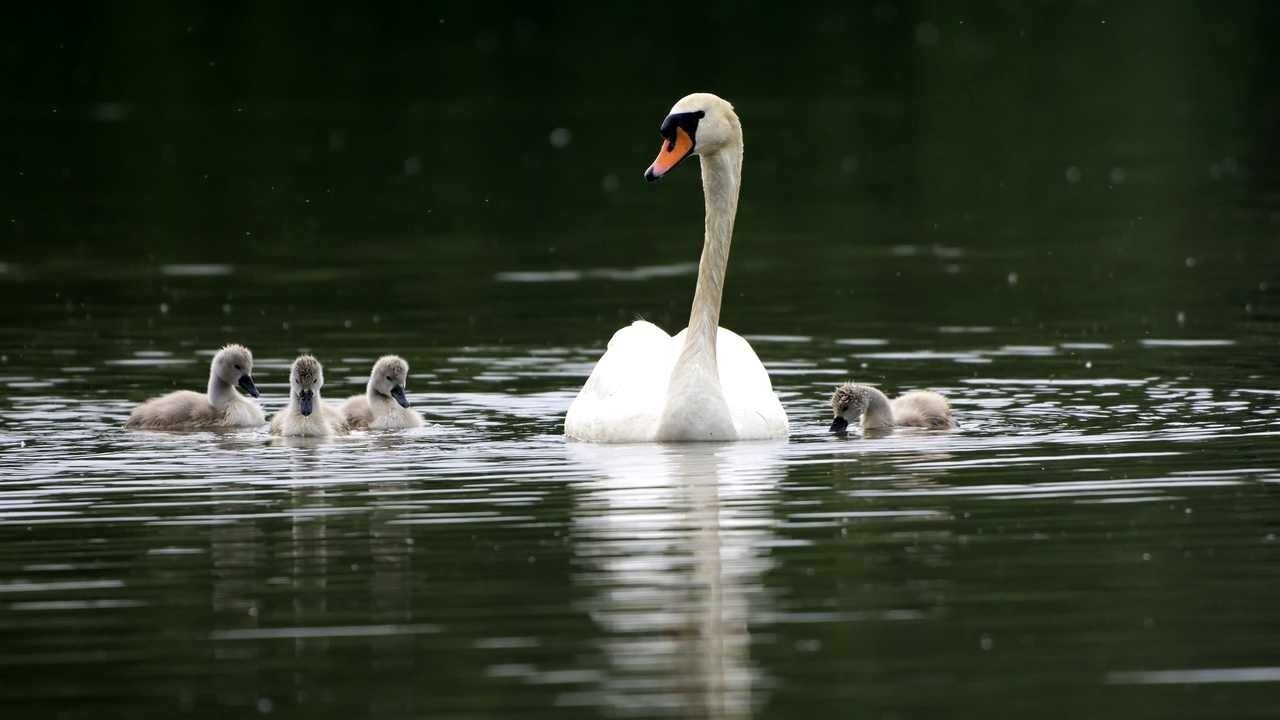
{"x":306,"y":377}
{"x":848,"y":403}
{"x":233,"y":365}
{"x":700,"y":124}
{"x":389,"y":378}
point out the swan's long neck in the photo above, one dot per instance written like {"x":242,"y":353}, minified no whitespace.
{"x":879,"y":412}
{"x":696,"y":408}
{"x":721,"y":178}
{"x":220,"y":393}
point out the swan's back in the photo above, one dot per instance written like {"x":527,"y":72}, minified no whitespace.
{"x":357,"y":413}
{"x":333,"y":416}
{"x":180,"y":410}
{"x":922,"y":408}
{"x":754,"y":407}
{"x":624,"y":398}
{"x":397,"y":419}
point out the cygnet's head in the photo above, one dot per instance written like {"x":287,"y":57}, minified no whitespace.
{"x":233,"y":365}
{"x":699,"y":124}
{"x":306,"y":377}
{"x":848,"y":403}
{"x":389,"y":378}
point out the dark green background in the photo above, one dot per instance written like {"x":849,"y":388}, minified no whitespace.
{"x":243,"y":130}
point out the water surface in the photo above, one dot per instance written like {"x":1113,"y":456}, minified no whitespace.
{"x":1099,"y":535}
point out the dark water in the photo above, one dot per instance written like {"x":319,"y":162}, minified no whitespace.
{"x":1068,"y":225}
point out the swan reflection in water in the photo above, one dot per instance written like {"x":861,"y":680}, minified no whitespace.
{"x":673,"y":542}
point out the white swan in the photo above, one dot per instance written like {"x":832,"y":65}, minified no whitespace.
{"x":854,"y":404}
{"x":220,"y":407}
{"x":706,"y":383}
{"x":307,"y":414}
{"x":384,"y":405}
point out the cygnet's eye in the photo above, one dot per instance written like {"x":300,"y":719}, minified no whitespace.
{"x":390,"y":379}
{"x":237,"y":367}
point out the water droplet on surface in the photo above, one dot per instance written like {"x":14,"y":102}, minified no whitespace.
{"x":1073,"y":174}
{"x":985,"y":642}
{"x":164,"y":308}
{"x":1012,"y":279}
{"x":560,"y":138}
{"x":109,"y":112}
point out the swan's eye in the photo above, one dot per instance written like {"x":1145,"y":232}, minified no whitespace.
{"x":237,"y":367}
{"x":686,"y":120}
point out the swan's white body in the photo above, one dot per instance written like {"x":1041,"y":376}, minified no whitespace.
{"x":633,"y":390}
{"x":706,"y":383}
{"x":219,"y":407}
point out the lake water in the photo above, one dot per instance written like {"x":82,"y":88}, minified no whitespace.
{"x":1065,"y":219}
{"x":1098,"y":538}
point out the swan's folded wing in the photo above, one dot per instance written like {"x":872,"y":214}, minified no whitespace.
{"x":757,"y":412}
{"x":622,"y":400}
{"x":922,"y":408}
{"x":357,"y":413}
{"x":337,"y":421}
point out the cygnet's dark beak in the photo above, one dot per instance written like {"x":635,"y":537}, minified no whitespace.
{"x":246,"y":384}
{"x":397,"y":392}
{"x":306,"y":402}
{"x":839,"y":425}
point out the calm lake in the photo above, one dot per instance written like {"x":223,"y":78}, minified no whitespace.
{"x":1097,"y":291}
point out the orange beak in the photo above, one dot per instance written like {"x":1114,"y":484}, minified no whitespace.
{"x":670,"y":155}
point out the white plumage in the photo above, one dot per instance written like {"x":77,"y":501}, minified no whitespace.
{"x":706,"y":383}
{"x":625,"y":398}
